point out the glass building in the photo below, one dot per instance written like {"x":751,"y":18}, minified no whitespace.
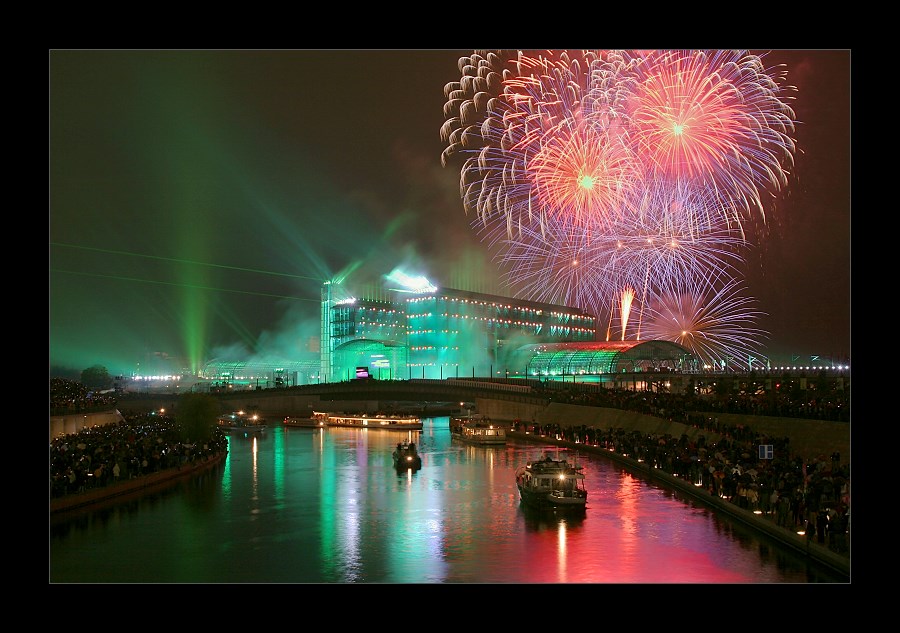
{"x":439,"y":333}
{"x":601,"y":361}
{"x":264,"y":374}
{"x":456,"y":333}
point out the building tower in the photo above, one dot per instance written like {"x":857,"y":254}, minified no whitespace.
{"x":326,"y":349}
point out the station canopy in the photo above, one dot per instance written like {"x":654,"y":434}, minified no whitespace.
{"x":603,"y":357}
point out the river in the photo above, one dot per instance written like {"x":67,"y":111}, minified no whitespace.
{"x":297,"y":505}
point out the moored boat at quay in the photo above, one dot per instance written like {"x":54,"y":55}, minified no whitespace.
{"x":477,"y":430}
{"x":242,"y":422}
{"x":552,"y":484}
{"x":378,"y":421}
{"x":305,"y":423}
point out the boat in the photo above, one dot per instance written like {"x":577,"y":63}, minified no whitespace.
{"x":305,"y":423}
{"x":477,"y":430}
{"x":551,"y":484}
{"x":242,"y":422}
{"x":406,"y":456}
{"x":379,"y":421}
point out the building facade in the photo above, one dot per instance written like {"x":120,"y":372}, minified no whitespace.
{"x":439,"y":333}
{"x":456,"y":333}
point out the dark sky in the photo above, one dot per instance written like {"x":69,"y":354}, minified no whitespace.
{"x":198,"y":199}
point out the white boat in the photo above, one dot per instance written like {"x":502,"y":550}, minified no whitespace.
{"x":477,"y":429}
{"x":242,"y":422}
{"x":305,"y":423}
{"x":379,"y":421}
{"x":553,"y":484}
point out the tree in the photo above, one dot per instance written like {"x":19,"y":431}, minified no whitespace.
{"x":196,"y":416}
{"x":721,"y":387}
{"x":96,"y":378}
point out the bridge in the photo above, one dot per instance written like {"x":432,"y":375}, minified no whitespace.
{"x":450,"y":389}
{"x":455,"y":393}
{"x":535,"y":392}
{"x":543,"y":402}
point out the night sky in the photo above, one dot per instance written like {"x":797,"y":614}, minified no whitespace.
{"x":198,"y":200}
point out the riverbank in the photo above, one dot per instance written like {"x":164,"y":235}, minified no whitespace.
{"x":143,"y":484}
{"x":808,"y":438}
{"x":797,"y":542}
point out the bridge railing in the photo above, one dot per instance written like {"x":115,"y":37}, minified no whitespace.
{"x":483,"y":384}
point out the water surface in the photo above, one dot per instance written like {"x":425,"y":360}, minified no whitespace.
{"x":301,"y":505}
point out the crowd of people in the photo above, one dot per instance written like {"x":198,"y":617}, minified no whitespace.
{"x":826,"y":404}
{"x":71,"y":396}
{"x":138,"y":445}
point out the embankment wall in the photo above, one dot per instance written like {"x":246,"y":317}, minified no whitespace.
{"x":808,"y":438}
{"x":66,"y":424}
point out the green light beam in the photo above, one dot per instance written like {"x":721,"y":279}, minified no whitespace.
{"x":184,"y":261}
{"x":169,"y":283}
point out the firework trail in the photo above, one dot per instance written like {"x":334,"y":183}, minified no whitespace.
{"x":589,"y":172}
{"x":627,"y":301}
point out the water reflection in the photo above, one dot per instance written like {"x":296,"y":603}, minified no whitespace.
{"x":537,"y":520}
{"x":327,"y":506}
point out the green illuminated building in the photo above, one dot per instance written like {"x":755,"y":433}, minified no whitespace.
{"x":439,"y":333}
{"x":455,"y":333}
{"x":603,"y":360}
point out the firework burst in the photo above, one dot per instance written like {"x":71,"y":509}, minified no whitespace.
{"x":715,"y":119}
{"x":596,"y":173}
{"x":711,"y":318}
